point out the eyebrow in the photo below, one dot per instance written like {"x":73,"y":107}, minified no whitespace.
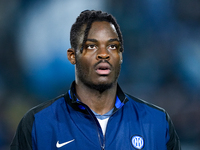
{"x":92,"y":40}
{"x":111,"y":40}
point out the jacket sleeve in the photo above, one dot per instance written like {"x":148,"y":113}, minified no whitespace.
{"x":23,"y":136}
{"x":173,"y":142}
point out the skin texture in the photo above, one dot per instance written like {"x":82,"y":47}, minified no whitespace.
{"x":97,"y":67}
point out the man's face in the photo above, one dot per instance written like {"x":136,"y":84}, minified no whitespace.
{"x":98,"y":66}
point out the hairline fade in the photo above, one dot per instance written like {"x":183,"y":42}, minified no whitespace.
{"x":87,"y":17}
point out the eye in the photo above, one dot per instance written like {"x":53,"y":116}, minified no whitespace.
{"x":113,"y":47}
{"x":91,"y":47}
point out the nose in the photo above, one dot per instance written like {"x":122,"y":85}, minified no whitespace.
{"x":103,"y":54}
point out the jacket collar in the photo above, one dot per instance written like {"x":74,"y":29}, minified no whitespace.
{"x":73,"y":101}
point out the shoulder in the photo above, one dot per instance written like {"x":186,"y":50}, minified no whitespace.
{"x":30,"y":115}
{"x":146,"y":109}
{"x":41,"y":111}
{"x":149,"y":113}
{"x":23,"y":136}
{"x":144,"y":103}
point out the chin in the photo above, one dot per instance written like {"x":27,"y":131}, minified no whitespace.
{"x":100,"y":86}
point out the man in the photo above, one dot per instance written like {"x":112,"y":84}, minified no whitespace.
{"x":95,"y":113}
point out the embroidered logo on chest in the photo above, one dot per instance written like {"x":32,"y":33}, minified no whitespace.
{"x":137,"y":142}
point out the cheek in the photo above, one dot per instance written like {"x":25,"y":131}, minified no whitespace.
{"x":117,"y":58}
{"x":84,"y":63}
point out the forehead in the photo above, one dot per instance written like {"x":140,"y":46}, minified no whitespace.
{"x":99,"y":29}
{"x":102,"y":29}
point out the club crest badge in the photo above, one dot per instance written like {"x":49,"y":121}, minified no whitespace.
{"x":137,"y":142}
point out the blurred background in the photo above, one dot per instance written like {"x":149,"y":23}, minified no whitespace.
{"x":161,"y":59}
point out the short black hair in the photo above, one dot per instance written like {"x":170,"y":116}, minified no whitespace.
{"x":87,"y":17}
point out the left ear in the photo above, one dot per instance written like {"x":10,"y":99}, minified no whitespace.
{"x":121,"y":58}
{"x":71,"y":55}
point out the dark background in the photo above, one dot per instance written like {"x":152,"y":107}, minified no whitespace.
{"x":161,"y":58}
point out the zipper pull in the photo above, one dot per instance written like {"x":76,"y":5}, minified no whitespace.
{"x":102,"y":147}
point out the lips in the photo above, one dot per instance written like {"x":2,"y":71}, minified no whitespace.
{"x":103,"y":69}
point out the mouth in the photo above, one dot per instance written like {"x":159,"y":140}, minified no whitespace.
{"x":103,"y":69}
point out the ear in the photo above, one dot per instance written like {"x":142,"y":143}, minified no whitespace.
{"x":71,"y":55}
{"x":121,"y":59}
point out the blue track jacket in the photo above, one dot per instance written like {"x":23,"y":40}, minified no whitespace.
{"x":67,"y":124}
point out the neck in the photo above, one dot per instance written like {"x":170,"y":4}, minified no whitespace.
{"x":100,"y":102}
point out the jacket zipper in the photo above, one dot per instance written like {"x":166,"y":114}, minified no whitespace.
{"x":95,"y":120}
{"x":104,"y":137}
{"x":96,"y":125}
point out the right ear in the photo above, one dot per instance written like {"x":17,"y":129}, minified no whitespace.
{"x":71,"y":55}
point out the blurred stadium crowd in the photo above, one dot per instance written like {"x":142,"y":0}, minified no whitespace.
{"x":161,"y":59}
